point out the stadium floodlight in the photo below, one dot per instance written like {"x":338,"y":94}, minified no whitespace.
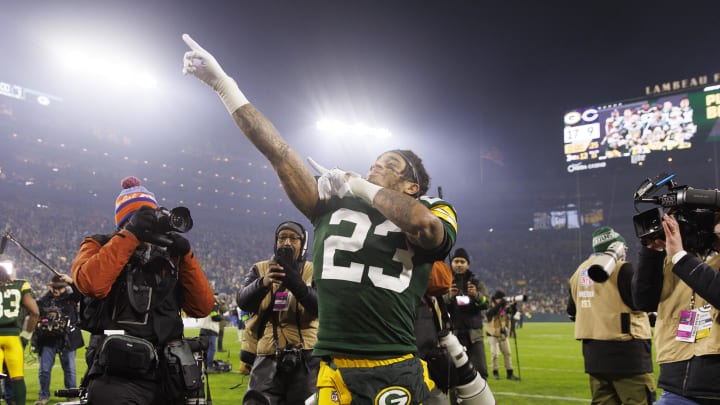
{"x":7,"y":266}
{"x":112,"y":68}
{"x":359,"y":130}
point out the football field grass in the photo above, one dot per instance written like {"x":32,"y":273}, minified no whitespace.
{"x":545,"y":356}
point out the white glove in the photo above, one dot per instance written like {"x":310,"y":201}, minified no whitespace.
{"x":341,"y":183}
{"x":201,"y":64}
{"x":331,"y":182}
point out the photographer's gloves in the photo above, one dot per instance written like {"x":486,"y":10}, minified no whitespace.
{"x":201,"y":64}
{"x":292,"y":280}
{"x":141,"y":224}
{"x":337,"y":182}
{"x":179,"y":246}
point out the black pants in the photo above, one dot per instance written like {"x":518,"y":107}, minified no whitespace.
{"x":283,"y":388}
{"x":221,"y":335}
{"x":106,"y":390}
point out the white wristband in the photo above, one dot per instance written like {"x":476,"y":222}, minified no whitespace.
{"x":230,"y":94}
{"x":25,"y":335}
{"x":677,"y":256}
{"x":363,"y":189}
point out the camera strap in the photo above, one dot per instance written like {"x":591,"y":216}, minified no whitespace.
{"x":139,"y":291}
{"x":275,"y":320}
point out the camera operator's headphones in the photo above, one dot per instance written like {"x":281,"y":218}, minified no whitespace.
{"x":297,"y":228}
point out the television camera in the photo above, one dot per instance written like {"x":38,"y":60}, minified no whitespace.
{"x":516,"y":298}
{"x":694,"y":209}
{"x":76,"y":396}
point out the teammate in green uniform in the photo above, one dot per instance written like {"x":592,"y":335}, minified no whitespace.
{"x":16,"y":296}
{"x":375,"y":241}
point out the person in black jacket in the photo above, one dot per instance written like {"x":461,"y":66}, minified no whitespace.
{"x":57,"y":333}
{"x":468,"y":299}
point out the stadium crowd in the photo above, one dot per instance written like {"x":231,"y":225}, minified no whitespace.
{"x":227,"y":250}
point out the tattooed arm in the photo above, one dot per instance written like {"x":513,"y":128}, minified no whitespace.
{"x":421,"y":226}
{"x":296,"y":178}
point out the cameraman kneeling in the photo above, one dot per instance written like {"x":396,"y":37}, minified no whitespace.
{"x":281,"y":293}
{"x":136,"y":282}
{"x":684,"y":288}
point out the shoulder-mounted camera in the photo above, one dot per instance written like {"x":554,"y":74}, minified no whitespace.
{"x":694,"y":209}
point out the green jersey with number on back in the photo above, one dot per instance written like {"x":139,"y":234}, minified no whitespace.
{"x":369,"y":278}
{"x":12,"y":294}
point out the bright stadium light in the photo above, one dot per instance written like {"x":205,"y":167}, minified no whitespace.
{"x":92,"y":61}
{"x":7,"y":267}
{"x":359,"y":130}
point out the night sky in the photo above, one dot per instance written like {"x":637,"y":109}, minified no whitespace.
{"x":477,"y":88}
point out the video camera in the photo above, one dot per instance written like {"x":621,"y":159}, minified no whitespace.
{"x":516,"y":298}
{"x":53,"y":322}
{"x":694,"y":209}
{"x":79,"y":393}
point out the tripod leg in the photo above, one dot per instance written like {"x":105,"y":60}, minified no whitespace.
{"x":517,"y":356}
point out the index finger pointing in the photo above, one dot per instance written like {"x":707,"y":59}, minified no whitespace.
{"x":191,"y":43}
{"x":315,"y":165}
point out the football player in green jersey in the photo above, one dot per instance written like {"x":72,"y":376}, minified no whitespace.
{"x":375,"y":241}
{"x":16,"y":296}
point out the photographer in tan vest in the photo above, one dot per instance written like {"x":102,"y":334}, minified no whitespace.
{"x":616,"y":338}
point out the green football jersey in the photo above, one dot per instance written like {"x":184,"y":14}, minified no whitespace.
{"x":11,"y":305}
{"x":369,"y":278}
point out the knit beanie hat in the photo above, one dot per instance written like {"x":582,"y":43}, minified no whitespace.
{"x":603,"y":237}
{"x":298,"y":229}
{"x":460,"y":253}
{"x":131,"y":198}
{"x":498,"y":294}
{"x":293,"y":226}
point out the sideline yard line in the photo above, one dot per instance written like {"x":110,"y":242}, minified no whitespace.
{"x":563,"y":370}
{"x":569,"y":399}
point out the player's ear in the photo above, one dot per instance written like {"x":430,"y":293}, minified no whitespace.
{"x":411,"y":188}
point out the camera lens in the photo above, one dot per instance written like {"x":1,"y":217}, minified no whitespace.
{"x":288,"y":360}
{"x":180,"y":219}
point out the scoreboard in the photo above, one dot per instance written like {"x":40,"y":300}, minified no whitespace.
{"x":23,"y":93}
{"x":634,"y":130}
